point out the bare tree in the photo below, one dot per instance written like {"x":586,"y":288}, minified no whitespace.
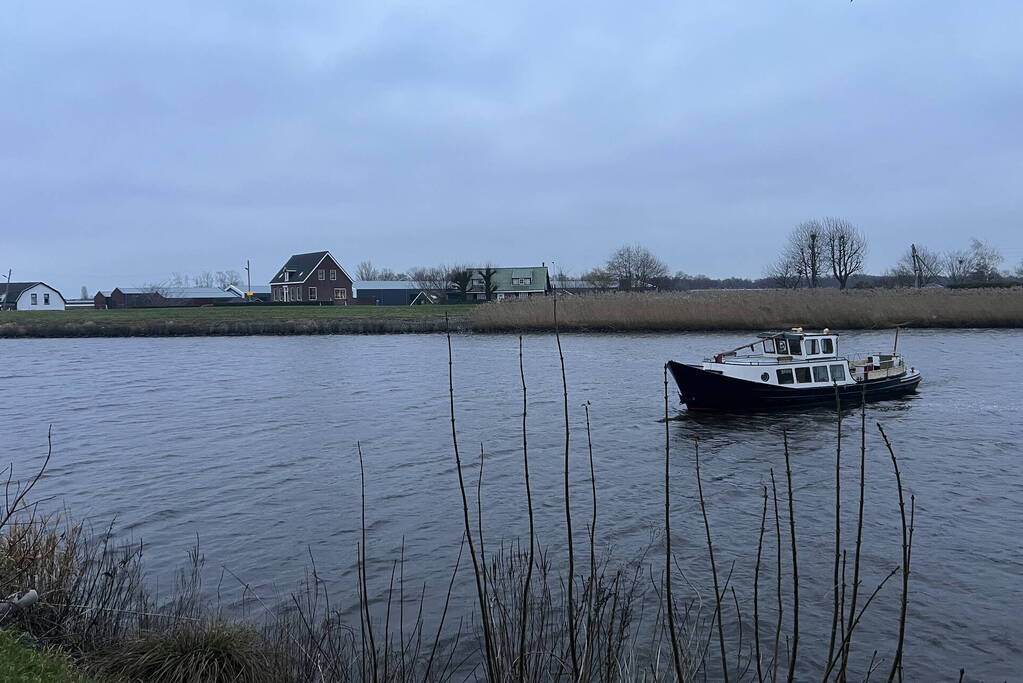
{"x":228,"y":278}
{"x":785,"y":272}
{"x":432,"y":280}
{"x":635,"y":265}
{"x":804,"y":253}
{"x":178,"y":280}
{"x":203,"y":279}
{"x":959,"y":265}
{"x":366,"y":271}
{"x":1019,"y":269}
{"x":986,"y":260}
{"x":845,"y":248}
{"x":600,"y":278}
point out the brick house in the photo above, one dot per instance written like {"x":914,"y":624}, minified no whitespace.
{"x":313,"y":278}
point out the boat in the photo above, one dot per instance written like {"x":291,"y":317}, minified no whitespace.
{"x":791,"y":369}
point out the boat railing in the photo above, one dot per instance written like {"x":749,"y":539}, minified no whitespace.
{"x":781,"y":360}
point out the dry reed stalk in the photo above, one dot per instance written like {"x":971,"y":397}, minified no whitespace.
{"x":838,"y":523}
{"x":481,"y":595}
{"x":15,"y":506}
{"x":775,"y":659}
{"x":713,"y":567}
{"x":795,"y":564}
{"x":907,"y":545}
{"x":362,"y":560}
{"x":568,"y":504}
{"x":859,"y":530}
{"x":756,"y":590}
{"x":669,"y":600}
{"x":532,"y":531}
{"x":592,"y":586}
{"x":859,"y":615}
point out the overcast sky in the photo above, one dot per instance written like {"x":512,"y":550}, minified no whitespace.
{"x":138,"y":139}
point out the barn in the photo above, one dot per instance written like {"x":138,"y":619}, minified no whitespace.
{"x":30,"y":296}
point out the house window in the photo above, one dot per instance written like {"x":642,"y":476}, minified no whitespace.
{"x":803,"y":375}
{"x":785,"y":377}
{"x":820,"y":373}
{"x":35,"y":299}
{"x":296,"y":293}
{"x":837,"y":373}
{"x":312,"y":294}
{"x":321,"y":274}
{"x":277,"y":293}
{"x":46,"y":299}
{"x":333,"y":275}
{"x":340,"y":293}
{"x":284,"y":276}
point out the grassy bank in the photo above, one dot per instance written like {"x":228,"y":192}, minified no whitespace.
{"x":22,"y":662}
{"x":758,"y":310}
{"x":231,"y":320}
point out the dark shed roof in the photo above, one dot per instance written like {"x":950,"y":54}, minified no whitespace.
{"x":301,"y":265}
{"x":11,"y":292}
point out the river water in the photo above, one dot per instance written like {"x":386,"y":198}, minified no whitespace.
{"x":250,"y":443}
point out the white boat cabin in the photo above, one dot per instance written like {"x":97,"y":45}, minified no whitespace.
{"x":802,"y":360}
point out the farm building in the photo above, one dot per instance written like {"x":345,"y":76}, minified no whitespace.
{"x":315,"y":277}
{"x":391,"y":292}
{"x":259,"y":292}
{"x":510,"y":283}
{"x":30,"y":296}
{"x":161,"y":297}
{"x":102,"y":299}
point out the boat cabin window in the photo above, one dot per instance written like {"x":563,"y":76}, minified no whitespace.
{"x":794,"y":347}
{"x":785,"y":377}
{"x":783,"y":348}
{"x":803,"y":375}
{"x":768,"y":346}
{"x":837,"y":373}
{"x":813,"y":350}
{"x":827,"y":345}
{"x":820,"y":373}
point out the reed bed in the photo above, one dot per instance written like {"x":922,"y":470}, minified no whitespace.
{"x":758,"y":310}
{"x":606,"y":619}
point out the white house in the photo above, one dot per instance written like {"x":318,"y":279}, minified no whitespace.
{"x":30,"y":296}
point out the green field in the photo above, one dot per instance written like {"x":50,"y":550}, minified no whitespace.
{"x":227,"y":320}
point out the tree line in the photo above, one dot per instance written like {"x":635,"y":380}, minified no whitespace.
{"x":828,"y":252}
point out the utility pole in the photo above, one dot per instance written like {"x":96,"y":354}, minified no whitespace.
{"x":7,"y":289}
{"x":248,"y":274}
{"x":917,"y":270}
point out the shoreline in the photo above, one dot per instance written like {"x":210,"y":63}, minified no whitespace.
{"x":707,"y":311}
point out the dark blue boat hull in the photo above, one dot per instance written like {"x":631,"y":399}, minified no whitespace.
{"x":703,"y":390}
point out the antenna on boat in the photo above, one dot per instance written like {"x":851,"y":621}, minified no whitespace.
{"x":898,"y":326}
